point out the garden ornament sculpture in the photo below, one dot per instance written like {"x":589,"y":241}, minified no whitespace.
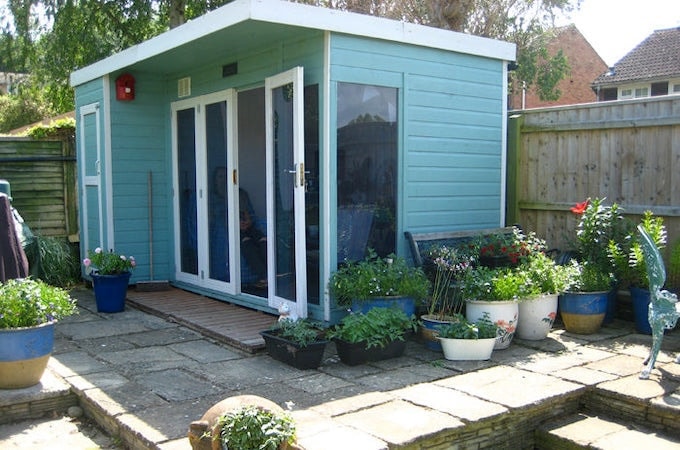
{"x":664,"y":308}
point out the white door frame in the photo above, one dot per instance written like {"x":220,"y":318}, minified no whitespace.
{"x":294,"y":76}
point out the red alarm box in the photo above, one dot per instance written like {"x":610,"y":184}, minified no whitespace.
{"x":125,"y":87}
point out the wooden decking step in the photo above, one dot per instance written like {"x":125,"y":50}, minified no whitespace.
{"x":225,"y":322}
{"x":581,"y":431}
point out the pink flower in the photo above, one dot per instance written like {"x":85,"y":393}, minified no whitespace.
{"x":133,"y":263}
{"x":87,"y":262}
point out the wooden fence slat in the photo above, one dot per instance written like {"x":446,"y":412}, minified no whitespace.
{"x":626,"y":151}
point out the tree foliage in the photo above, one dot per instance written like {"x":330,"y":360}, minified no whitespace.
{"x":49,"y":39}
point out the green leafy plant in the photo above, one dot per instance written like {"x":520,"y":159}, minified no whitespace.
{"x":254,"y":428}
{"x":653,"y":225}
{"x":461,"y":328}
{"x":377,"y":328}
{"x":53,"y":260}
{"x":28,"y":302}
{"x":496,"y":284}
{"x":301,"y":331}
{"x":673,"y":280}
{"x":545,"y":275}
{"x":108,"y":263}
{"x":599,"y":227}
{"x":588,"y":277}
{"x":378,"y":277}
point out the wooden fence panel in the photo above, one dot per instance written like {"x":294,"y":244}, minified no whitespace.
{"x":628,"y":152}
{"x":42,"y":176}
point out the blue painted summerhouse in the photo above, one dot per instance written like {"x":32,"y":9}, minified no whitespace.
{"x":324,"y":133}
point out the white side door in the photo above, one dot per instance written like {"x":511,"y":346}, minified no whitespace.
{"x":284,"y":107}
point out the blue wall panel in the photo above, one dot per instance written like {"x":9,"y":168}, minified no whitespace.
{"x":452,"y":125}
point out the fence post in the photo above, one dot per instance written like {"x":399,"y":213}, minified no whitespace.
{"x":511,"y":189}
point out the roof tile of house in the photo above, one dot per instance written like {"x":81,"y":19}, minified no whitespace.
{"x":657,"y":56}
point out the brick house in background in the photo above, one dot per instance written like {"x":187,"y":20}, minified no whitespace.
{"x":585,"y":64}
{"x":650,"y":69}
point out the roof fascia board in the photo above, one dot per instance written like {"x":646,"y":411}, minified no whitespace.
{"x":296,"y":14}
{"x":204,"y":25}
{"x":377,"y":27}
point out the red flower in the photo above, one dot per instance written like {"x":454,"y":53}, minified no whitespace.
{"x":580,"y":208}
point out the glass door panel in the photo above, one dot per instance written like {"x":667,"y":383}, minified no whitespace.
{"x":218,"y":188}
{"x":286,"y":202}
{"x":187,"y":190}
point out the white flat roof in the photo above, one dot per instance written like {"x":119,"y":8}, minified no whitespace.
{"x":296,"y":14}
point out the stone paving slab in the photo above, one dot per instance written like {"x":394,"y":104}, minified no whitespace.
{"x":399,"y":423}
{"x":146,"y":379}
{"x":500,"y":385}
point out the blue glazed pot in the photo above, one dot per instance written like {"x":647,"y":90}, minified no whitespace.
{"x":406,"y":304}
{"x":583,"y":312}
{"x":24,"y":353}
{"x":110,"y":291}
{"x":640,"y":300}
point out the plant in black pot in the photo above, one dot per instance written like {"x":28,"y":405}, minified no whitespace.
{"x":299,"y":343}
{"x":379,"y":282}
{"x":376,"y":335}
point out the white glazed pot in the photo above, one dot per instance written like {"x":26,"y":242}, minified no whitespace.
{"x":536,"y":317}
{"x":502,"y":313}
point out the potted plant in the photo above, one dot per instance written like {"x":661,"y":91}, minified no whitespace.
{"x":110,"y":273}
{"x":376,"y":335}
{"x":495,"y":291}
{"x":505,"y":249}
{"x":630,"y":262}
{"x":465,"y":340}
{"x":29,"y":309}
{"x":381,"y":282}
{"x":538,"y":308}
{"x":600,"y":228}
{"x":299,"y":343}
{"x":585,"y":303}
{"x":444,"y":266}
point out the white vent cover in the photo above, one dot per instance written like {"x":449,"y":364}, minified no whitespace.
{"x":184,"y":87}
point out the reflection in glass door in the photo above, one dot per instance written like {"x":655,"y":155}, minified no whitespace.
{"x":286,"y":199}
{"x":204,"y":191}
{"x":186,"y":182}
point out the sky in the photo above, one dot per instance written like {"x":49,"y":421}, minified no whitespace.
{"x":612,"y":27}
{"x":615,"y":27}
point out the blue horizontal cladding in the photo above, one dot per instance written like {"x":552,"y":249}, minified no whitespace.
{"x":452,"y":115}
{"x":463,"y":219}
{"x":139,"y":146}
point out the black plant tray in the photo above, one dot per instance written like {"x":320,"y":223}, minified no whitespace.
{"x":288,"y":352}
{"x":354,"y":354}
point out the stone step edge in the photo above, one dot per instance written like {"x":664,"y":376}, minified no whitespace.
{"x":583,"y":431}
{"x":648,"y":413}
{"x":52,"y":395}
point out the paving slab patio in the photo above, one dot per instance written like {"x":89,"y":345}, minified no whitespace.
{"x":145,"y":378}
